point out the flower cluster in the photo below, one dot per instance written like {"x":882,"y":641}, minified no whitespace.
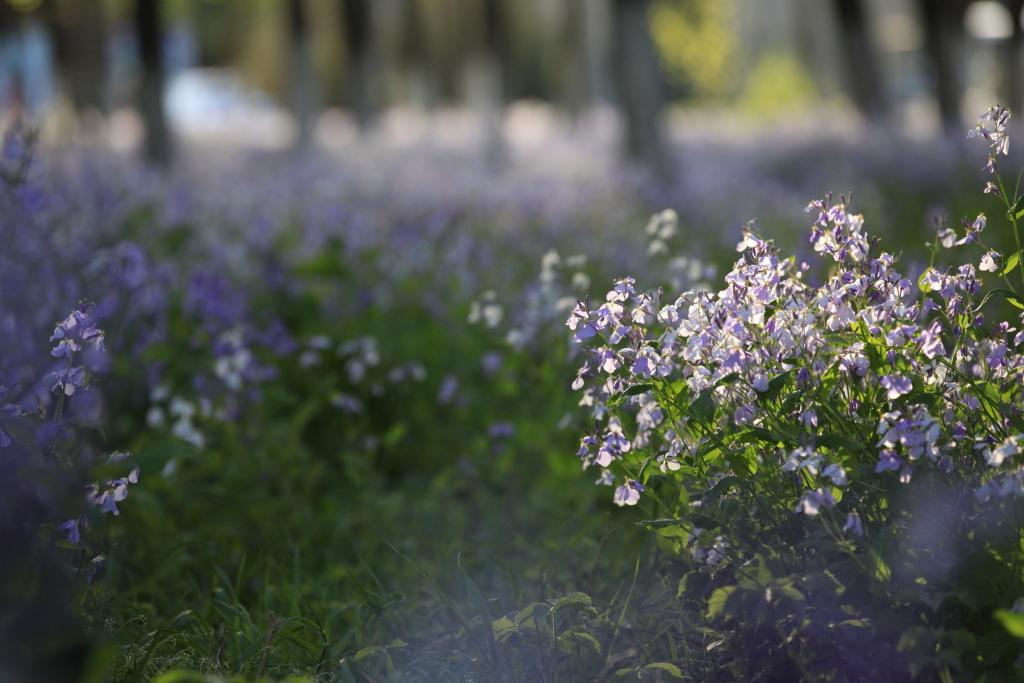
{"x":992,"y":128}
{"x":776,"y":380}
{"x":79,"y":344}
{"x":105,"y":498}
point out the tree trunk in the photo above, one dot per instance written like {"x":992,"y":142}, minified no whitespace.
{"x":574,"y":83}
{"x":415,"y":58}
{"x":943,"y":32}
{"x":302,"y":79}
{"x":639,"y":87}
{"x":488,"y":71}
{"x":79,"y":37}
{"x":597,"y":29}
{"x":358,"y":33}
{"x":860,"y":61}
{"x":157,"y":140}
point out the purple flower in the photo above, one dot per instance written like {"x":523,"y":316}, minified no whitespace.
{"x":930,"y":341}
{"x":854,"y":525}
{"x":989,"y":262}
{"x":896,"y":385}
{"x":346,"y":403}
{"x":745,"y":414}
{"x":803,"y":458}
{"x":72,"y":530}
{"x":447,"y":391}
{"x":1010,"y":447}
{"x":491,"y":362}
{"x":992,"y":127}
{"x":607,"y":359}
{"x":628,"y":493}
{"x":501,"y":430}
{"x":946,"y":237}
{"x":80,"y":346}
{"x":973,"y":229}
{"x":888,"y":461}
{"x":760,"y":382}
{"x":836,"y":473}
{"x":813,"y":500}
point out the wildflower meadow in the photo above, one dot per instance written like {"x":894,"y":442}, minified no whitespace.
{"x":305,"y":420}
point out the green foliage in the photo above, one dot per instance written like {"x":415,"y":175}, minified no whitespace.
{"x":776,"y":86}
{"x":696,"y":44}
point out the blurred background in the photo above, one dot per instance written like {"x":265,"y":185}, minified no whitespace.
{"x":499,"y":78}
{"x":334,"y":244}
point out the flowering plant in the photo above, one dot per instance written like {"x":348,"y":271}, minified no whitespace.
{"x":839,"y":462}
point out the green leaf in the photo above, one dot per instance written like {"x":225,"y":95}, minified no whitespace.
{"x":775,"y":385}
{"x":631,"y":391}
{"x":756,"y":434}
{"x":502,"y":628}
{"x":568,"y":639}
{"x":716,"y":603}
{"x":838,"y":442}
{"x":366,"y":652}
{"x":788,"y":592}
{"x":920,"y":280}
{"x":1011,"y":261}
{"x":703,"y":407}
{"x":925,"y":397}
{"x":791,"y":401}
{"x":577,"y":599}
{"x":525,"y":615}
{"x":854,"y":623}
{"x":1011,"y":621}
{"x":742,"y":462}
{"x":728,"y":379}
{"x":879,"y":569}
{"x":670,"y":669}
{"x":181,"y":677}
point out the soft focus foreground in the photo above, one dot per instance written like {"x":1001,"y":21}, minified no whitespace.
{"x":296,"y":401}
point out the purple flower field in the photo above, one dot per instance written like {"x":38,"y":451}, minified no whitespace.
{"x":317,"y":418}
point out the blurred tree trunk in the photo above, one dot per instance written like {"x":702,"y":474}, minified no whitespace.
{"x":301,"y":76}
{"x":1010,"y":59}
{"x":358,"y":33}
{"x":574,"y":79}
{"x":597,"y":19}
{"x":494,"y":65}
{"x":943,"y":32}
{"x":149,"y":34}
{"x":79,"y":36}
{"x":415,"y":58}
{"x":486,"y":71}
{"x":860,"y":60}
{"x":639,"y":89}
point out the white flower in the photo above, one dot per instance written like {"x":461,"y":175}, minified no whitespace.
{"x":989,"y":262}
